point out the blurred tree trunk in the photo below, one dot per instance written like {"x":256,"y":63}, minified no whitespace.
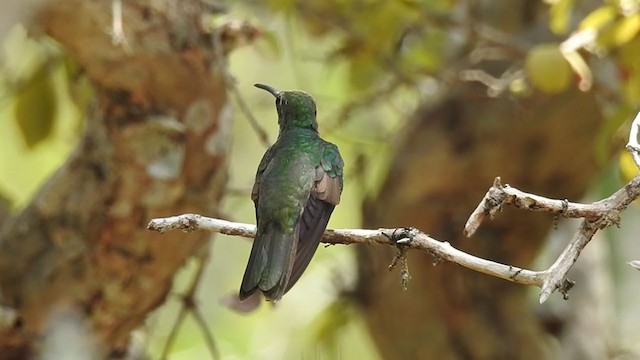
{"x":445,"y":163}
{"x":155,"y":145}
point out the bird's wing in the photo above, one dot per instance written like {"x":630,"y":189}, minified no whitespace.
{"x":262,"y":245}
{"x":324,"y":196}
{"x":266,"y":159}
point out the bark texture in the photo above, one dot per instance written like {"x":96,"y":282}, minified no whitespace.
{"x":155,"y":144}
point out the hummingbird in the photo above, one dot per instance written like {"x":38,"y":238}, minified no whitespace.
{"x":298,"y":184}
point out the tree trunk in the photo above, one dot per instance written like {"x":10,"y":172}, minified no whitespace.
{"x":443,"y":167}
{"x":155,"y":145}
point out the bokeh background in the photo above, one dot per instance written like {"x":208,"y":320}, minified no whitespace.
{"x":428,"y":102}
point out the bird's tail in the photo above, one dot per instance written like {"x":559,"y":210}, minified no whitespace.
{"x":270,"y":262}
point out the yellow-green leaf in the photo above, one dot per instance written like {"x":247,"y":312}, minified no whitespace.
{"x":598,"y":18}
{"x":629,"y":53}
{"x":632,"y":86}
{"x":628,"y":168}
{"x":626,"y":29}
{"x":560,"y":14}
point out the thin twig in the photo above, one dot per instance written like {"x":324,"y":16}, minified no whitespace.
{"x":173,"y":333}
{"x":244,"y":108}
{"x":558,"y":271}
{"x":496,"y":86}
{"x":499,"y":195}
{"x":117,"y":30}
{"x":189,"y":305}
{"x":208,"y":337}
{"x":190,"y":302}
{"x":230,"y":83}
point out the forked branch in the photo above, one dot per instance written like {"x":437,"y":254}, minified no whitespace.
{"x":596,"y":216}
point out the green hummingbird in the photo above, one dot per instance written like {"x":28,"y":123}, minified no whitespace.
{"x":297,"y":186}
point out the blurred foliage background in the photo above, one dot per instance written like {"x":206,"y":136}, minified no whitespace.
{"x":370,"y":65}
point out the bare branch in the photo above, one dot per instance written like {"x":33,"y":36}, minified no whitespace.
{"x":173,"y":333}
{"x":208,"y":337}
{"x":597,"y":215}
{"x":558,"y":271}
{"x":499,"y":195}
{"x":411,"y":238}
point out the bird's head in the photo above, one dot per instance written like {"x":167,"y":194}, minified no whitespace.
{"x":296,"y":109}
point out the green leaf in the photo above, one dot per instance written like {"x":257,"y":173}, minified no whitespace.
{"x":36,"y":107}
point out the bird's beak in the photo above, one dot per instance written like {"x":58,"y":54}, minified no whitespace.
{"x":268,"y":88}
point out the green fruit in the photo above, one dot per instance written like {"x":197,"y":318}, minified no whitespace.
{"x":547,"y":68}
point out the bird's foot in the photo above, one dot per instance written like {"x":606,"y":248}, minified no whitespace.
{"x":401,"y":236}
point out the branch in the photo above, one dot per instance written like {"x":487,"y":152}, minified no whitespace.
{"x":596,"y":216}
{"x":499,"y":195}
{"x":406,"y":237}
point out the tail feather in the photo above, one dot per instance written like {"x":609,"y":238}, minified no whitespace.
{"x":269,"y":267}
{"x":255,"y":265}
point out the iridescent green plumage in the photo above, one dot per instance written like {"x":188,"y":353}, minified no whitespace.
{"x":298,"y":183}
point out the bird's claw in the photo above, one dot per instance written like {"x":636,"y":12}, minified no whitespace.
{"x":401,"y":236}
{"x":403,"y":241}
